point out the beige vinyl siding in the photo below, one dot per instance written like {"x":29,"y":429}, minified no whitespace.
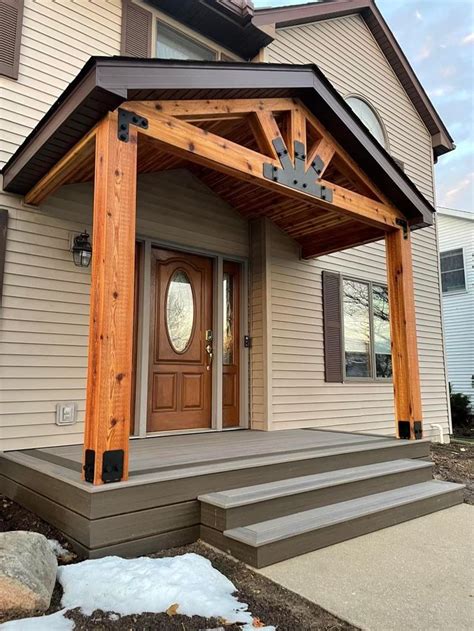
{"x":458,"y":306}
{"x":57,"y":39}
{"x":347,"y":53}
{"x":45,"y":311}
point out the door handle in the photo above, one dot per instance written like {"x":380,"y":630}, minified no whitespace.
{"x":210,"y":355}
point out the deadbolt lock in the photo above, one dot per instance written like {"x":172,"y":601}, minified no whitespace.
{"x":209,"y":335}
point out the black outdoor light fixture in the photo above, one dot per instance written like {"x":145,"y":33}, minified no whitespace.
{"x":82,"y":250}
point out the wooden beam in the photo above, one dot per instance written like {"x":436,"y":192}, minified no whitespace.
{"x":193,"y":109}
{"x":74,"y":160}
{"x":265,"y":129}
{"x":294,"y":130}
{"x":406,"y":377}
{"x":221,"y":154}
{"x":345,"y":157}
{"x":323,"y":149}
{"x":110,"y":363}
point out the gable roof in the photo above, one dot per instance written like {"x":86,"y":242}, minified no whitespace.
{"x":105,"y":83}
{"x":326,"y":9}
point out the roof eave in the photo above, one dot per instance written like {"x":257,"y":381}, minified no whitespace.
{"x":110,"y":81}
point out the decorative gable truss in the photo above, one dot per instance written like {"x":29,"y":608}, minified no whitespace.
{"x":289,"y":166}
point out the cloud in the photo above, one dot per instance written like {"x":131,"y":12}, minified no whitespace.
{"x":453,"y":193}
{"x":418,"y":15}
{"x":469,"y":39}
{"x":424,"y":52}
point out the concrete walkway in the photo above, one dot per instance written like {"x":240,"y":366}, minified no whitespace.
{"x":415,"y":576}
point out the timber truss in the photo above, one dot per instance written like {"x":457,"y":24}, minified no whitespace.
{"x":265,"y":157}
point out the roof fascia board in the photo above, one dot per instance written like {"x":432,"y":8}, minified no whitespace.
{"x":57,"y":115}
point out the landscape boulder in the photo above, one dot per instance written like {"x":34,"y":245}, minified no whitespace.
{"x":27,"y":571}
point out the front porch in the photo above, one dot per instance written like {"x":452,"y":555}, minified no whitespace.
{"x":158,"y":506}
{"x":285,"y":156}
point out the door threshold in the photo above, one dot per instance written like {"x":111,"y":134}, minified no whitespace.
{"x":180,"y":432}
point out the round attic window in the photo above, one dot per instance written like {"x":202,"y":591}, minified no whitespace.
{"x":369,"y":117}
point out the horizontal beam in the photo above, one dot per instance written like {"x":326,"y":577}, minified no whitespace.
{"x":218,"y":107}
{"x":198,"y":145}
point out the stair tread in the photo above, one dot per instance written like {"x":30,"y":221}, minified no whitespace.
{"x":280,"y":528}
{"x":282,"y":488}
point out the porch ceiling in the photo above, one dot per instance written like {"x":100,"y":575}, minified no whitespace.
{"x":106,"y":83}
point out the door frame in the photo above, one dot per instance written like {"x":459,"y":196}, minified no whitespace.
{"x":143,"y":338}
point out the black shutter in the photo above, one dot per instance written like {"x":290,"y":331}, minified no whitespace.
{"x":11,"y":17}
{"x":136,"y":30}
{"x":332,"y":313}
{"x":3,"y":245}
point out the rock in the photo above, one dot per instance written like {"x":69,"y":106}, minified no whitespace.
{"x":27,"y":571}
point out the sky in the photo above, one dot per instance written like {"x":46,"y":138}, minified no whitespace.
{"x":437,"y":36}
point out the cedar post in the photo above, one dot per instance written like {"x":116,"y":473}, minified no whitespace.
{"x":109,"y":378}
{"x":406,"y":377}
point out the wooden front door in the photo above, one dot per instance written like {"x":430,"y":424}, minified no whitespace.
{"x":180,"y":384}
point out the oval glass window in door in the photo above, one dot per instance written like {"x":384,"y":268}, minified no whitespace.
{"x":180,"y":311}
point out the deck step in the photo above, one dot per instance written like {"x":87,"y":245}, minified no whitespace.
{"x":261,"y":544}
{"x":238,"y":507}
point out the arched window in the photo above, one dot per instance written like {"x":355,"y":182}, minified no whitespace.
{"x":369,"y":117}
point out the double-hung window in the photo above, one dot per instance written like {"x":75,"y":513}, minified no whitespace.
{"x":366,"y":330}
{"x":171,"y":44}
{"x":452,"y":271}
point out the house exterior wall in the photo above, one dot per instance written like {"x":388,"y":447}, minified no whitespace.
{"x":44,"y":325}
{"x":45,"y":309}
{"x":347,"y":53}
{"x":458,"y":307}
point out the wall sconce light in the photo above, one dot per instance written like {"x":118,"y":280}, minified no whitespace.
{"x":82,"y":250}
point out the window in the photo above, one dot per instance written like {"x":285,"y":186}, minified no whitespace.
{"x":452,"y":271}
{"x":366,"y":330}
{"x":170,"y":44}
{"x":369,"y":117}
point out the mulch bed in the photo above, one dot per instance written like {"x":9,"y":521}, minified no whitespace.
{"x":268,"y":602}
{"x":455,"y":463}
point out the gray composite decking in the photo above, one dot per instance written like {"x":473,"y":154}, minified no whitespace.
{"x":275,"y":540}
{"x":158,"y":507}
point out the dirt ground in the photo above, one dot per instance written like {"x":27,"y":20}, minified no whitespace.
{"x":269,"y":603}
{"x":455,"y":463}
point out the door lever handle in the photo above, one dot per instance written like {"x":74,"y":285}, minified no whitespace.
{"x":210,"y":355}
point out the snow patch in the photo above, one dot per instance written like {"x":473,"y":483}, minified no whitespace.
{"x":54,"y":622}
{"x":135,"y":586}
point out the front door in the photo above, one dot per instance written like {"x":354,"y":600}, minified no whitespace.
{"x":180,"y":384}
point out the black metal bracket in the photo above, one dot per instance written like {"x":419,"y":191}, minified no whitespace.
{"x":295,"y":175}
{"x":125,"y":119}
{"x":404,"y":430}
{"x":404,"y":225}
{"x":112,"y":465}
{"x":89,"y":465}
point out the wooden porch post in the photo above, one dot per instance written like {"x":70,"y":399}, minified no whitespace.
{"x":406,"y":377}
{"x":109,"y":379}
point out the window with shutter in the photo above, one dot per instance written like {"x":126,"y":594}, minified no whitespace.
{"x":3,"y":245}
{"x":11,"y":15}
{"x":332,"y":314}
{"x":136,"y":30}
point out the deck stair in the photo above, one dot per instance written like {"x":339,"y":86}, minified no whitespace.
{"x":267,"y":523}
